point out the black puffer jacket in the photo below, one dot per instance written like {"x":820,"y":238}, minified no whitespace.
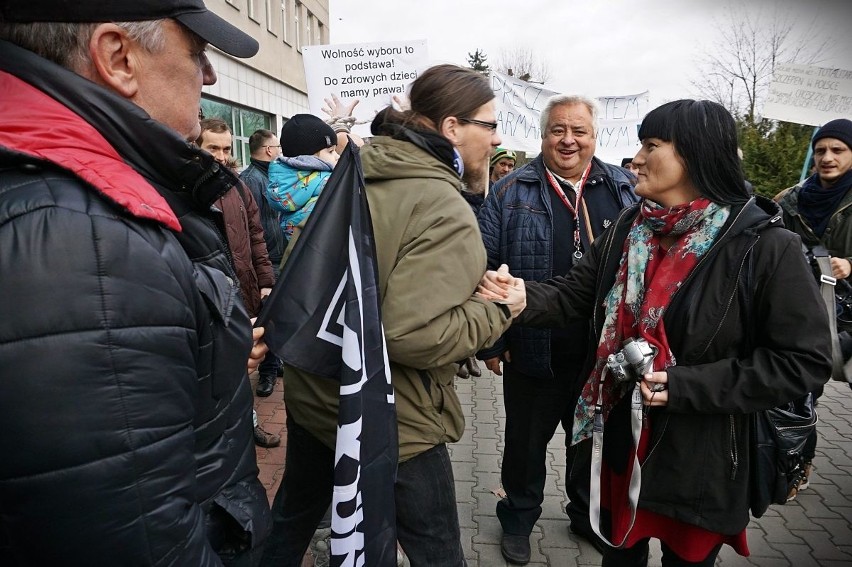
{"x":125,"y":410}
{"x":697,"y":469}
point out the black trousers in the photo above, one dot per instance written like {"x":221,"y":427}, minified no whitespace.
{"x":426,"y":511}
{"x":534,"y":409}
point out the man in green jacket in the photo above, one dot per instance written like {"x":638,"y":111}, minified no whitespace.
{"x":430,"y":259}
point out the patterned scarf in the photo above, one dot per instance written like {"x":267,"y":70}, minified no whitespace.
{"x":638,"y":299}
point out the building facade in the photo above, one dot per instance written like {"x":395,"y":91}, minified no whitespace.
{"x":267,"y":89}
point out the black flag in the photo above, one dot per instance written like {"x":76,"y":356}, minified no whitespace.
{"x":323,"y":317}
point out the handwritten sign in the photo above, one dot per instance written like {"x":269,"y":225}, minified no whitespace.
{"x":519,"y":105}
{"x":810,"y":95}
{"x":372,"y":73}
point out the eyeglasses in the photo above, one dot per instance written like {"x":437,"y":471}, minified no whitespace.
{"x":490,"y":125}
{"x":268,"y":146}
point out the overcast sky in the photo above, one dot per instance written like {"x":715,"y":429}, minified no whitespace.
{"x":595,"y":47}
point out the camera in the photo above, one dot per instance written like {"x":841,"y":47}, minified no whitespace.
{"x":634,"y":360}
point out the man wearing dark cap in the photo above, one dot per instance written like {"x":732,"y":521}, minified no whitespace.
{"x":126,"y":429}
{"x":817,"y":210}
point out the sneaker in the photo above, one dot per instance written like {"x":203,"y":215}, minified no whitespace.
{"x":321,"y":547}
{"x":265,"y":439}
{"x":806,"y":475}
{"x":799,"y":479}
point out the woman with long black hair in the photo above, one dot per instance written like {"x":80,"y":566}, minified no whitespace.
{"x":720,"y":300}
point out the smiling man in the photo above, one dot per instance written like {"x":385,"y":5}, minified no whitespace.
{"x":126,"y":427}
{"x":539,"y":220}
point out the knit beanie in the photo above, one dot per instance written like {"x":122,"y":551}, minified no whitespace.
{"x":500,"y":153}
{"x":305,"y":135}
{"x":840,"y":129}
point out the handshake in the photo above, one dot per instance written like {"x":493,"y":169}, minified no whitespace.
{"x":502,"y":287}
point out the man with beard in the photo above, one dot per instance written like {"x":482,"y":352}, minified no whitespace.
{"x":430,"y":260}
{"x":817,"y":210}
{"x":539,"y":220}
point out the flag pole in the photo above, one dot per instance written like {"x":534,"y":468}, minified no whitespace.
{"x":808,"y":156}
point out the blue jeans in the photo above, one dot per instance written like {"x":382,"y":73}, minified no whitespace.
{"x":426,"y":515}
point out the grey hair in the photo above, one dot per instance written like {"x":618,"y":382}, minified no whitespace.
{"x":66,"y":44}
{"x":565,"y":100}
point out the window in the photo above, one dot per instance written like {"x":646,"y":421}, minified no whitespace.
{"x":320,"y":33}
{"x":242,"y":121}
{"x":309,"y":32}
{"x":285,"y":20}
{"x":297,"y":19}
{"x":254,"y":10}
{"x":270,"y":15}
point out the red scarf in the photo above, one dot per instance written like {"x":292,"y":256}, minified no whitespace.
{"x":638,"y":299}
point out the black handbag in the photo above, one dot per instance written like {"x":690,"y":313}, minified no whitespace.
{"x":778,"y":436}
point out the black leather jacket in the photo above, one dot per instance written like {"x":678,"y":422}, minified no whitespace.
{"x":126,"y":409}
{"x":697,"y":470}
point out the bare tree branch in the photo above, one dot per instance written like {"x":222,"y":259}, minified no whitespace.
{"x":737,"y":69}
{"x":523,"y":64}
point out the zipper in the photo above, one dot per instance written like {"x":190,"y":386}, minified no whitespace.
{"x":605,"y":261}
{"x":731,"y":298}
{"x":735,"y":455}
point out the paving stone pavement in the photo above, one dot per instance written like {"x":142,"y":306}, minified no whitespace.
{"x":813,"y":530}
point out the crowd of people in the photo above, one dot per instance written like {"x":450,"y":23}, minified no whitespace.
{"x":136,"y":257}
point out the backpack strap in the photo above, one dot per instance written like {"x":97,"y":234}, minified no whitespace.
{"x":827,"y":283}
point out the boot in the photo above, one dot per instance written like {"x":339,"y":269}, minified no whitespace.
{"x":265,"y":385}
{"x":265,"y":439}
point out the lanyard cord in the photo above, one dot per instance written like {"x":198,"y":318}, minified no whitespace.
{"x":574,"y":208}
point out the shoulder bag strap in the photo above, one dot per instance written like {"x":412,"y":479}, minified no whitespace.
{"x":827,"y":283}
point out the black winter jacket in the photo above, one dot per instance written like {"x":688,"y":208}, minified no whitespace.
{"x":256,"y":178}
{"x":697,"y":469}
{"x":516,"y":222}
{"x":126,"y":411}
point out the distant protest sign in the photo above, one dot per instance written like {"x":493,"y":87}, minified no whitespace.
{"x":804,"y":94}
{"x":519,"y":105}
{"x":370,"y":72}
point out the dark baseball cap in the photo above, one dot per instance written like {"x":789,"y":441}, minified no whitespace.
{"x":191,"y":13}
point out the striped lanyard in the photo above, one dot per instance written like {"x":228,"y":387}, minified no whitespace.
{"x":575,"y":207}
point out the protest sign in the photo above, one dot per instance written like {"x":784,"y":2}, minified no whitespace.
{"x":370,"y":72}
{"x":519,"y":105}
{"x":809,"y":95}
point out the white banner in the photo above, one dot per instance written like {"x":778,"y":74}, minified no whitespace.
{"x":370,"y":72}
{"x":809,"y":95}
{"x":519,"y":106}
